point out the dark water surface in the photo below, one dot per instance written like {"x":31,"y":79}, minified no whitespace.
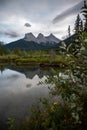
{"x":19,"y":89}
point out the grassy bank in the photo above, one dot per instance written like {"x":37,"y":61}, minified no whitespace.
{"x":42,"y":61}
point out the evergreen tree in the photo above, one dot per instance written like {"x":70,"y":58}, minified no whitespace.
{"x":78,"y":24}
{"x":1,"y":49}
{"x":69,"y":31}
{"x":81,"y":26}
{"x":84,"y":11}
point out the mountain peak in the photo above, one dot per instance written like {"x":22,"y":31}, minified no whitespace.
{"x":51,"y":38}
{"x":41,"y":38}
{"x":40,"y":35}
{"x":51,"y":34}
{"x":29,"y":34}
{"x":30,"y":37}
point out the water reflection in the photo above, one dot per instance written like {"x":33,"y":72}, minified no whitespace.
{"x":31,"y":72}
{"x":19,"y":90}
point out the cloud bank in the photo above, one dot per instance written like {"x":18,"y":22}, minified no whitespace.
{"x":10,"y":34}
{"x":71,"y":11}
{"x":17,"y":16}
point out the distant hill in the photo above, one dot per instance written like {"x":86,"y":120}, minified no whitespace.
{"x":70,"y":39}
{"x":67,"y":41}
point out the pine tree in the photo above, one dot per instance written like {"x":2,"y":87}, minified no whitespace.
{"x":69,"y":31}
{"x":84,"y":11}
{"x":1,"y":49}
{"x":77,"y":24}
{"x":81,"y":26}
{"x":78,"y":32}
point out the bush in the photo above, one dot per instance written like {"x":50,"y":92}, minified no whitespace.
{"x":71,"y":86}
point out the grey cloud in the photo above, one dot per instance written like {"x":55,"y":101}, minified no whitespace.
{"x":15,"y":13}
{"x":11,"y":34}
{"x":57,"y":32}
{"x":3,"y":1}
{"x":13,"y":77}
{"x":28,"y":9}
{"x":33,"y":9}
{"x":27,"y":25}
{"x":71,"y":11}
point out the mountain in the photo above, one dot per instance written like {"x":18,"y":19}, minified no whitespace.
{"x":41,"y":38}
{"x":26,"y":45}
{"x":31,"y":72}
{"x":70,"y":39}
{"x":51,"y":38}
{"x":30,"y":42}
{"x":67,"y":41}
{"x":30,"y":37}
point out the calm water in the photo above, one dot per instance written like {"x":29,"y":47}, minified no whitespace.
{"x":19,"y":89}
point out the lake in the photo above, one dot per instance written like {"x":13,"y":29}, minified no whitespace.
{"x":19,"y":90}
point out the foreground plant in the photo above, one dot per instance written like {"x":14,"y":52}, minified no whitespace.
{"x":66,"y":106}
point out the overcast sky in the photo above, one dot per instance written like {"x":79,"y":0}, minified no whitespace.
{"x":18,"y":17}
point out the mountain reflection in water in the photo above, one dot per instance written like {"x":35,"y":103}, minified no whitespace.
{"x":31,"y":72}
{"x":19,"y":90}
